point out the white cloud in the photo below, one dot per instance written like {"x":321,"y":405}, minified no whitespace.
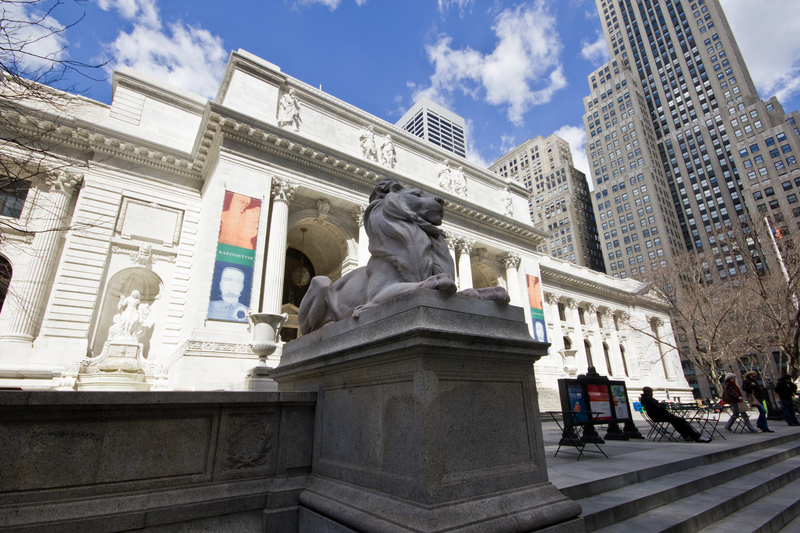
{"x":770,"y":43}
{"x":444,"y":5}
{"x":331,"y":4}
{"x":576,"y":137}
{"x":33,"y":40}
{"x":597,"y":51}
{"x":143,"y":11}
{"x":507,"y":142}
{"x":186,"y":56}
{"x":523,"y":71}
{"x":473,"y":154}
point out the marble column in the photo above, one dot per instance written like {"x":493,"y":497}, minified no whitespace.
{"x":595,"y":332}
{"x":566,"y":362}
{"x":658,"y":326}
{"x":613,"y":348}
{"x":363,"y":240}
{"x":451,"y":241}
{"x":511,"y":263}
{"x":465,"y":263}
{"x":30,"y":288}
{"x":282,"y":192}
{"x":574,"y":319}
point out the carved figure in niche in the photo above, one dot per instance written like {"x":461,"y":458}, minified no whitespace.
{"x":408,"y":252}
{"x":130,"y":318}
{"x":508,"y":208}
{"x":289,"y":111}
{"x":231,"y":285}
{"x":445,"y":176}
{"x":388,"y":154}
{"x":460,"y":182}
{"x":369,"y":149}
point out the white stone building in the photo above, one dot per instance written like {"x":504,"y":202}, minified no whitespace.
{"x":160,"y":176}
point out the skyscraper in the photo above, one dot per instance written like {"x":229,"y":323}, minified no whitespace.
{"x":677,"y":84}
{"x":430,"y":121}
{"x":560,"y":202}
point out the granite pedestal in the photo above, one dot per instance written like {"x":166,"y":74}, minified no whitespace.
{"x":426,"y":421}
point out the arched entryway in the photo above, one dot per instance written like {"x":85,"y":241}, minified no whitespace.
{"x":5,"y":279}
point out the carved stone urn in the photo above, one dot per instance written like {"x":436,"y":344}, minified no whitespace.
{"x":570,"y":363}
{"x":265,"y":330}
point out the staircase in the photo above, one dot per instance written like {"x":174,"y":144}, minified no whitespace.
{"x":749,"y":486}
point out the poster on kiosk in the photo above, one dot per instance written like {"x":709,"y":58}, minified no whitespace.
{"x":594,"y":400}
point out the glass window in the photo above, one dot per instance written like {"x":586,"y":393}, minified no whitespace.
{"x":12,"y":197}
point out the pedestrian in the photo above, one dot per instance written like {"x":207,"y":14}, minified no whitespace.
{"x":732,"y":395}
{"x":786,"y":390}
{"x":756,"y":399}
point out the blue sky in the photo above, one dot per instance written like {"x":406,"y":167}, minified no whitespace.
{"x":513,"y":70}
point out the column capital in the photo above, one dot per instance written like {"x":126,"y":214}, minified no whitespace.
{"x":552,"y":297}
{"x":464,"y":245}
{"x":592,"y":308}
{"x":358,"y":214}
{"x":451,"y":239}
{"x":572,"y":303}
{"x":510,"y":260}
{"x":282,"y":190}
{"x":63,"y":181}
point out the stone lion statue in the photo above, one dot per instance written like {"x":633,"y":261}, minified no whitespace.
{"x":408,"y":251}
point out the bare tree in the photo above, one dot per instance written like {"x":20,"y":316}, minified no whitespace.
{"x":38,"y":95}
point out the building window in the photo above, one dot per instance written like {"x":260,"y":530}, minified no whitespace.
{"x":12,"y":197}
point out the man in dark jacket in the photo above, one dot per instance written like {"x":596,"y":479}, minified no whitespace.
{"x":658,"y":413}
{"x":786,"y":390}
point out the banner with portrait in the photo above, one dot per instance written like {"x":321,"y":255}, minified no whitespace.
{"x":537,"y":308}
{"x":232,"y":283}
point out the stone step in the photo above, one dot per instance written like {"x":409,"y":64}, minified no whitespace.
{"x":573,"y":484}
{"x":614,"y":506}
{"x":704,"y":508}
{"x":777,"y":511}
{"x":791,"y":527}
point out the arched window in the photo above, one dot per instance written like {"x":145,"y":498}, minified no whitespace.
{"x":5,"y":279}
{"x":624,"y":362}
{"x":588,"y":347}
{"x":608,"y":359}
{"x":567,"y":343}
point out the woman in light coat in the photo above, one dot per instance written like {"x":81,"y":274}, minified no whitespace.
{"x":732,"y":395}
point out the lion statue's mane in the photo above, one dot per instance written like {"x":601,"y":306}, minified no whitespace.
{"x":408,"y":252}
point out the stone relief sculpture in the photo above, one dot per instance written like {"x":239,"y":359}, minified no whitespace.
{"x":369,"y":150}
{"x":408,"y":252}
{"x":508,"y":207}
{"x":130,"y":319}
{"x":388,"y":153}
{"x":460,"y":182}
{"x":445,"y":176}
{"x":289,"y":111}
{"x":452,"y":180}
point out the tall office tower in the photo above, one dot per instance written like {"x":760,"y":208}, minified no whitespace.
{"x":432,"y":122}
{"x":560,"y":202}
{"x":700,"y":113}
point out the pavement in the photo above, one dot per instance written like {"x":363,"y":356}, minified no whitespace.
{"x":628,"y":457}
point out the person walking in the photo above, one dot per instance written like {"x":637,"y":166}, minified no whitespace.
{"x":786,"y":390}
{"x":732,"y":395}
{"x":753,"y":391}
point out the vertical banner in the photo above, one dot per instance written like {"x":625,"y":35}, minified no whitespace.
{"x":232,"y":284}
{"x":537,"y":308}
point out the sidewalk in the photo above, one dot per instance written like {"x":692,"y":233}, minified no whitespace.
{"x":641,"y":455}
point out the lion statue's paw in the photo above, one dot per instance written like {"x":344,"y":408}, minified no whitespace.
{"x":442,"y":283}
{"x":495,"y":294}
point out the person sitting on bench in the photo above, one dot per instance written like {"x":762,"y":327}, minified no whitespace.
{"x":658,"y":413}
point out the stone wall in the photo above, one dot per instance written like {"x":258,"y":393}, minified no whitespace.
{"x":163,"y":461}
